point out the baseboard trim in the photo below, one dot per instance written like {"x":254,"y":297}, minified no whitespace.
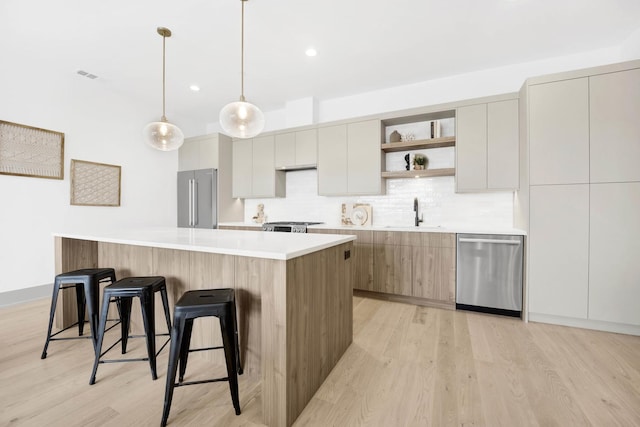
{"x":24,"y":295}
{"x":425,"y":302}
{"x":598,"y":325}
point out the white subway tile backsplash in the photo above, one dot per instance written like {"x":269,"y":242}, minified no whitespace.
{"x":438,"y":201}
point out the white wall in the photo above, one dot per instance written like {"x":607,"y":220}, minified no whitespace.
{"x":99,"y":126}
{"x":477,"y":84}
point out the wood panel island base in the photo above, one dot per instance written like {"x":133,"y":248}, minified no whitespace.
{"x":294,"y":296}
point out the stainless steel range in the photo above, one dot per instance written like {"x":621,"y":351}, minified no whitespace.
{"x":288,"y":226}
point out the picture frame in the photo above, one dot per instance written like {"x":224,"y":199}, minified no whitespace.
{"x":95,"y":184}
{"x":30,"y":151}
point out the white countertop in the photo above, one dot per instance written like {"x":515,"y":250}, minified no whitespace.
{"x":421,"y":229}
{"x":281,"y":246}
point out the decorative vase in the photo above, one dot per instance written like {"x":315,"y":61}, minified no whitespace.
{"x":395,"y":136}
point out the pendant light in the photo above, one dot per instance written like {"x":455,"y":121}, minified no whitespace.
{"x":163,"y":135}
{"x":241,"y":119}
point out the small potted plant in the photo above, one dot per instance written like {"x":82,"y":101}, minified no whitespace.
{"x":419,"y":162}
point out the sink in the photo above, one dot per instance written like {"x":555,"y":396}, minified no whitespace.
{"x":412,"y":227}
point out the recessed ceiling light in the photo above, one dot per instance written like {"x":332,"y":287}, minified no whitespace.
{"x":311,"y":52}
{"x":195,"y":88}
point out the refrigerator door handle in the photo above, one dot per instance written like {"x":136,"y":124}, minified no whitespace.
{"x":190,"y":203}
{"x":195,"y":203}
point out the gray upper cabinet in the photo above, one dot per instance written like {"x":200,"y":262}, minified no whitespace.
{"x":614,"y":106}
{"x":296,"y":150}
{"x":503,"y":145}
{"x":349,"y":159}
{"x":559,"y":132}
{"x":242,"y":166}
{"x":471,"y":148}
{"x":332,"y":160}
{"x":254,"y":171}
{"x":487,"y":153}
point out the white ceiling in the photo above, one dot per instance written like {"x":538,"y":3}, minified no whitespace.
{"x":362,"y":45}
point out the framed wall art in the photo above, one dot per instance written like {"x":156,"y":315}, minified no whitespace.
{"x":31,"y":151}
{"x":94,"y":184}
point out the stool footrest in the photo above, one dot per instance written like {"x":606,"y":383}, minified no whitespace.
{"x":214,"y":380}
{"x":205,"y":349}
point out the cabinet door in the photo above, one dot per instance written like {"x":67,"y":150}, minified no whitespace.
{"x":285,"y":150}
{"x":306,"y":147}
{"x":503,"y":145}
{"x":364,"y":157}
{"x":188,"y":156}
{"x":559,"y":250}
{"x":264,"y":169}
{"x":559,"y":132}
{"x":434,"y":273}
{"x":615,"y":126}
{"x":614,"y":253}
{"x":392,"y":269}
{"x":242,"y":167}
{"x":332,"y":160}
{"x":471,"y":148}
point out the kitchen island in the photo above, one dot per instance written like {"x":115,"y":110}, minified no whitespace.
{"x":293,"y":292}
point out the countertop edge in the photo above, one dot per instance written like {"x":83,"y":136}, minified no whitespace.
{"x":421,"y":229}
{"x":335,"y":240}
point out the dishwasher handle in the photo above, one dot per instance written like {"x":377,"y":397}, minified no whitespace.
{"x":499,"y":241}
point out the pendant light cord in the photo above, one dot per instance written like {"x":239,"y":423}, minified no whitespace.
{"x":164,"y":38}
{"x":242,"y":54}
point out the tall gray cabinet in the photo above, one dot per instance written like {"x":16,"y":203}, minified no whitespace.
{"x":581,"y":201}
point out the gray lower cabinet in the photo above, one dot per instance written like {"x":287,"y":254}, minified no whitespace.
{"x":614,"y":253}
{"x":559,"y":250}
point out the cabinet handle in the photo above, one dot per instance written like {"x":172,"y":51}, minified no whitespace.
{"x":498,"y":241}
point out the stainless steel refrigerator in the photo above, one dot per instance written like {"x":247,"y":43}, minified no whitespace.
{"x":197,"y":198}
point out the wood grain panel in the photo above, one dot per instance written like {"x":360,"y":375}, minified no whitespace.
{"x":362,"y":255}
{"x":72,"y":254}
{"x":392,"y":269}
{"x":319,"y":321}
{"x":128,"y":261}
{"x":434,"y":273}
{"x":251,"y":274}
{"x":209,"y":271}
{"x":273,"y":345}
{"x":174,"y":266}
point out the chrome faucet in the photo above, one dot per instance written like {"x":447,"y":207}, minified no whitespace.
{"x":418,"y":219}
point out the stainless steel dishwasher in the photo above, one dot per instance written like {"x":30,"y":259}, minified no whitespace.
{"x":489,"y":273}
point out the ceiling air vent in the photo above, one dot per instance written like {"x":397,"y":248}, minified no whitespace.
{"x":87,"y":75}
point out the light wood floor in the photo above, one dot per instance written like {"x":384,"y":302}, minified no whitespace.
{"x":407,"y":366}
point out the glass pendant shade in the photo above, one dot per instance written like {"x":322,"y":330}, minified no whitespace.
{"x":163,"y":136}
{"x":241,"y":119}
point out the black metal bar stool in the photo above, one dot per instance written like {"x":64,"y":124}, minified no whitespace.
{"x":87,"y":283}
{"x":122,"y":292}
{"x":220,"y":303}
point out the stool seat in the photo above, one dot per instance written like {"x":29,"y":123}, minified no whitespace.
{"x":87,"y":284}
{"x":122,"y":292}
{"x":220,"y":303}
